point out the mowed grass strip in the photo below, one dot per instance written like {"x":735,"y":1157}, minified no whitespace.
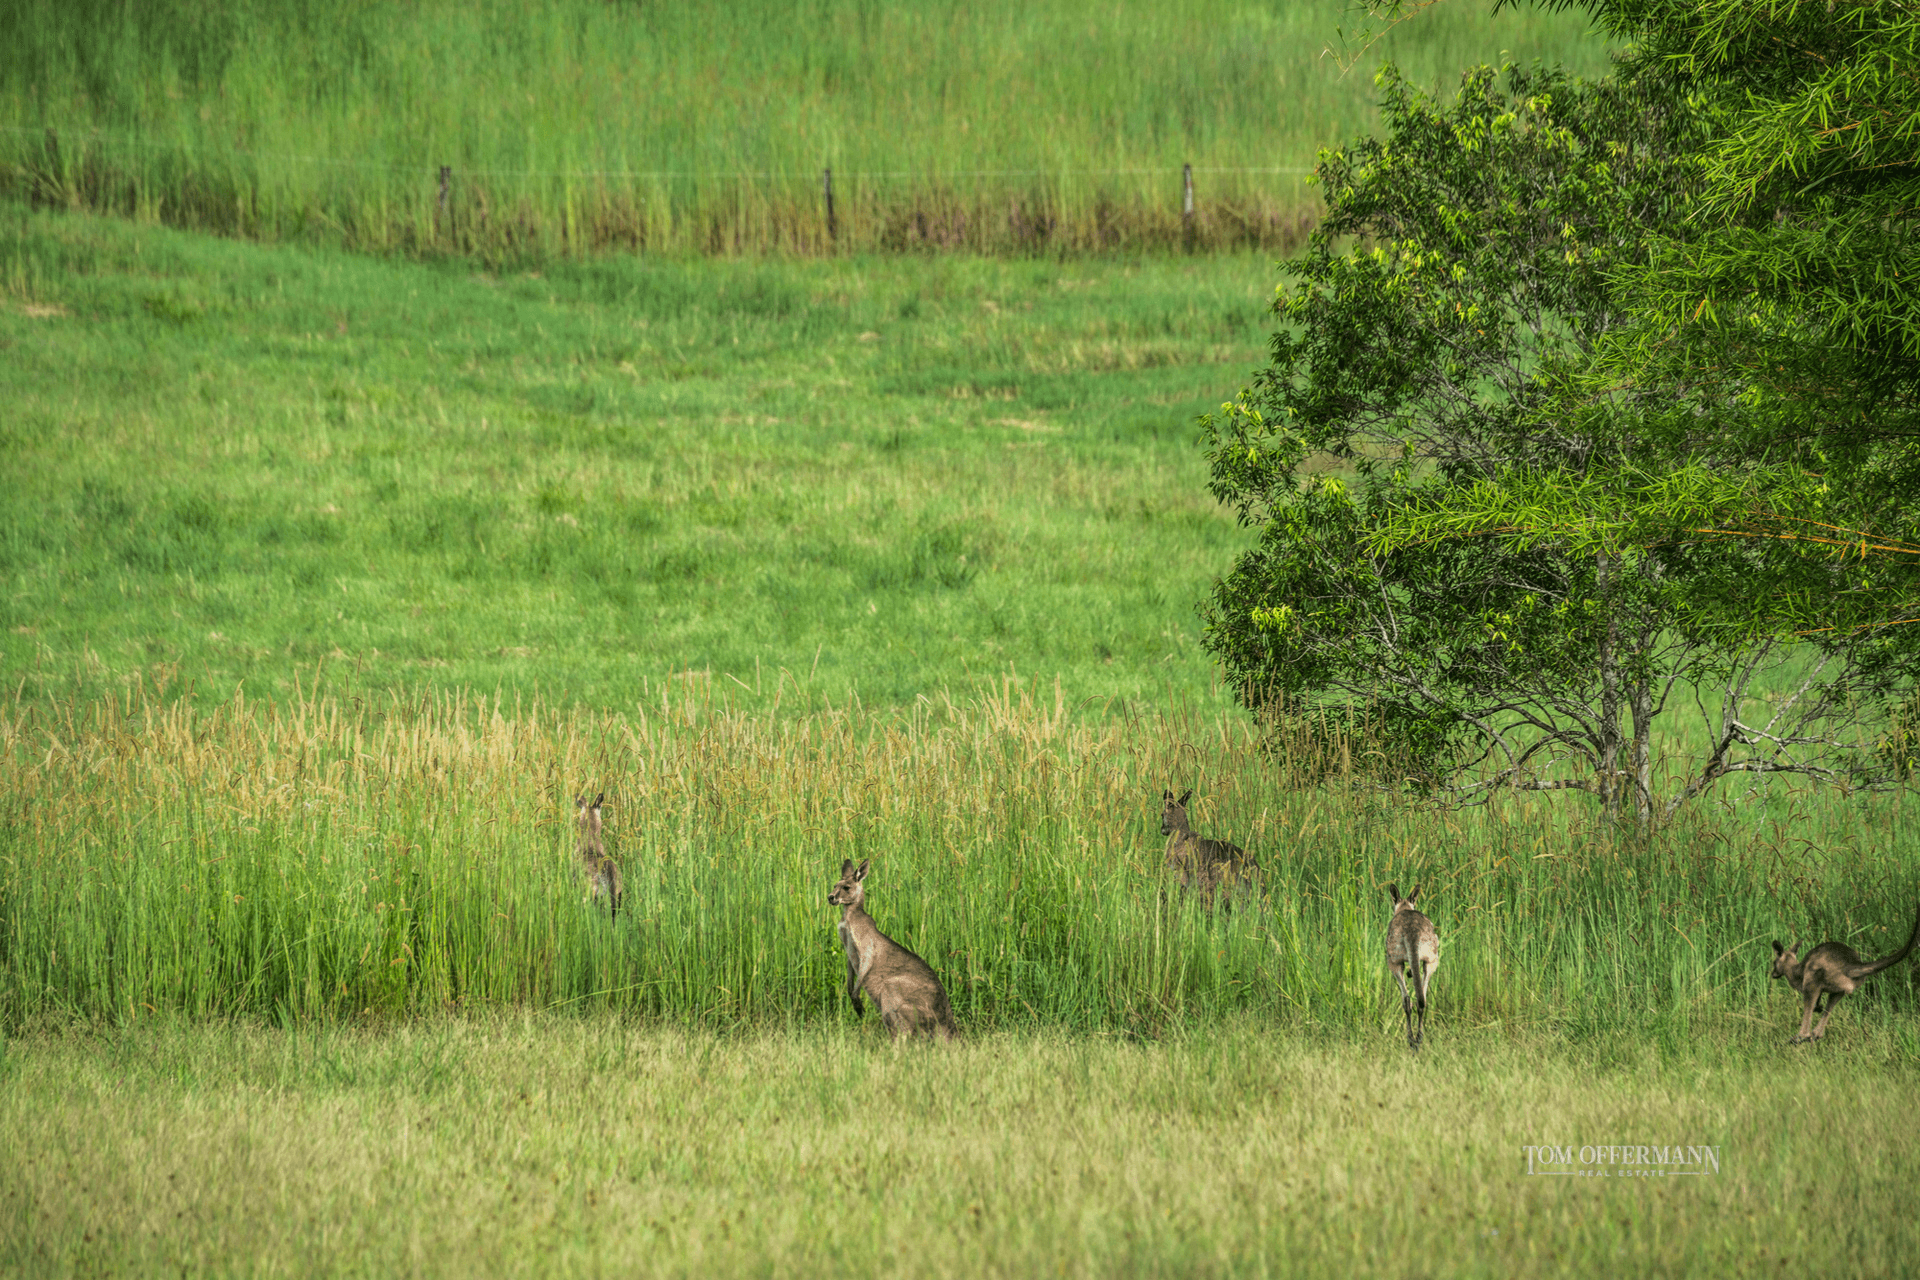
{"x":233,"y":464}
{"x":559,"y":1146}
{"x":579,"y":125}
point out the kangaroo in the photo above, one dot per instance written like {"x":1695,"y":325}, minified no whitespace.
{"x":905,"y":987}
{"x":1832,"y":969}
{"x":1412,"y":943}
{"x":602,"y":873}
{"x":1202,"y":864}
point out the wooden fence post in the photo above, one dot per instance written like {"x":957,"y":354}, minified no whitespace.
{"x":1186,"y":205}
{"x":826,"y":182}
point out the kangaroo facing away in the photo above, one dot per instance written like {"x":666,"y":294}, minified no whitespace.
{"x":905,"y":987}
{"x":602,"y":874}
{"x":1832,"y":969}
{"x":1201,"y":863}
{"x":1413,"y":944}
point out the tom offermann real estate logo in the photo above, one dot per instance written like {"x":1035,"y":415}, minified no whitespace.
{"x":1621,"y":1162}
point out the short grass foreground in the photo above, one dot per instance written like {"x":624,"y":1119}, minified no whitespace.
{"x":586,"y":1146}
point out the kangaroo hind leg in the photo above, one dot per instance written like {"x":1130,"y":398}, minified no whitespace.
{"x":1833,"y":1000}
{"x":1421,"y":976}
{"x":1406,"y":1001}
{"x":1806,"y":1020}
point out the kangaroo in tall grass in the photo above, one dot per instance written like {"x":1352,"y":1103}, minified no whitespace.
{"x":602,"y":873}
{"x":1833,"y":970}
{"x":1202,"y":864}
{"x":1413,"y":944}
{"x":905,"y":987}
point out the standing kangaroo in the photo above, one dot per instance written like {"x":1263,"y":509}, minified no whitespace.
{"x":602,"y":873}
{"x":1201,"y":863}
{"x":1832,"y":969}
{"x":905,"y":987}
{"x":1412,"y":943}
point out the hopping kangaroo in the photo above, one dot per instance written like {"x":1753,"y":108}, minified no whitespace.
{"x":1832,"y":969}
{"x":1202,"y":864}
{"x":1412,"y":943}
{"x":601,"y":872}
{"x":905,"y":987}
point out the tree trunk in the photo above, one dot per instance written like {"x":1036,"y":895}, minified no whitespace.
{"x":1640,"y":702}
{"x":1609,"y":744}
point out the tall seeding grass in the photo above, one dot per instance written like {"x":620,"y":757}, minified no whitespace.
{"x":580,"y":124}
{"x":338,"y":857}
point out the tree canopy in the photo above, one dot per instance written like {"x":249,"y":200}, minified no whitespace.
{"x":1786,"y":309}
{"x":1573,"y":420}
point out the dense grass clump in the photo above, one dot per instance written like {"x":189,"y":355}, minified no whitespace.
{"x":333,"y":859}
{"x":582,"y":125}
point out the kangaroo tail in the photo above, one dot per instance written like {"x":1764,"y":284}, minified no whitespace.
{"x":1898,"y":956}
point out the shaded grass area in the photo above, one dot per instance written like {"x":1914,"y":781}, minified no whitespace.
{"x":579,"y":125}
{"x":339,"y":859}
{"x":233,"y":464}
{"x":560,"y":1146}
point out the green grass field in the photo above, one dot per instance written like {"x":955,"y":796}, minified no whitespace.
{"x":330,"y":577}
{"x":237,"y":464}
{"x":580,"y":124}
{"x":329,"y":580}
{"x":563,"y":1146}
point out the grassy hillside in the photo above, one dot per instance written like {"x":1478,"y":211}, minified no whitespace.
{"x":580,"y":124}
{"x":239,"y":464}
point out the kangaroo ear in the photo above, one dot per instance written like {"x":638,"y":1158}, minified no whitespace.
{"x":598,"y":799}
{"x":1393,"y":891}
{"x":861,"y":874}
{"x":1187,"y":796}
{"x":1777,"y":948}
{"x":1166,"y":797}
{"x":1414,"y":896}
{"x":846,"y":867}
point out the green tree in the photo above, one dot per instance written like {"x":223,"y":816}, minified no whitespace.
{"x":1786,"y":310}
{"x":1458,"y":527}
{"x":1776,"y":321}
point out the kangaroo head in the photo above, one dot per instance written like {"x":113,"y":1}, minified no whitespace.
{"x":587,"y":814}
{"x":849,"y":892}
{"x":1173,"y":813}
{"x":1783,"y":958}
{"x":1399,"y":903}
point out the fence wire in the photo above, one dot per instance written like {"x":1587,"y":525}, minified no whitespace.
{"x":94,"y":136}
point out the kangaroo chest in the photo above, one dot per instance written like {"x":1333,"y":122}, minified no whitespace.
{"x":860,"y":940}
